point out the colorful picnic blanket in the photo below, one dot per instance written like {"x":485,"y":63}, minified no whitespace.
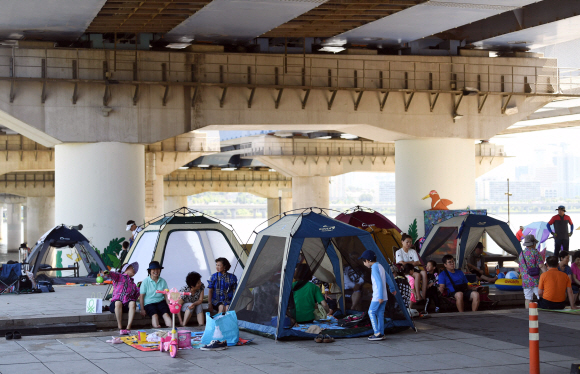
{"x":132,"y":341}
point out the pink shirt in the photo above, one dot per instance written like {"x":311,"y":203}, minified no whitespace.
{"x":575,"y":271}
{"x":412,"y":284}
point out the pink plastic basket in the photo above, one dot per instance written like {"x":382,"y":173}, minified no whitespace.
{"x":183,"y":339}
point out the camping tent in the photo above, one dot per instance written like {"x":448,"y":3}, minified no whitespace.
{"x":459,"y":235}
{"x":186,"y":240}
{"x":385,"y":233}
{"x":65,"y":248}
{"x":326,"y":245}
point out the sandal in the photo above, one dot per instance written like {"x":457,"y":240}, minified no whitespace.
{"x":328,"y":339}
{"x":124,"y":332}
{"x":319,"y":338}
{"x":17,"y":335}
{"x":115,"y":340}
{"x":9,"y":336}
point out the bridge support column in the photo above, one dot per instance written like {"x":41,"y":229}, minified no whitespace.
{"x":175,"y":202}
{"x":310,"y":192}
{"x":100,"y":185}
{"x":422,"y":165}
{"x":40,"y":218}
{"x":154,"y":199}
{"x":13,"y":226}
{"x":274,"y":207}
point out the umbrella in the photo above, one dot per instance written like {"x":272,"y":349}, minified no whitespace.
{"x":539,"y":230}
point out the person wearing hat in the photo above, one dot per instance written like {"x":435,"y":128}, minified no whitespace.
{"x":132,"y":226}
{"x":152,"y":303}
{"x":560,"y":233}
{"x":125,"y":295}
{"x":476,"y":264}
{"x":380,"y":295}
{"x":530,"y":265}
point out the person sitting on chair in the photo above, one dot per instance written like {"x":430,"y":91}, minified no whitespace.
{"x":475,"y":264}
{"x":554,"y":285}
{"x":456,"y":282}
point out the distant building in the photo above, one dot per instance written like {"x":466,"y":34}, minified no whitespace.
{"x":521,"y":191}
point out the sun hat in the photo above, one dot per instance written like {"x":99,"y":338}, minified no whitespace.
{"x":562,"y":207}
{"x":530,"y":240}
{"x":135,"y":266}
{"x":154,"y":265}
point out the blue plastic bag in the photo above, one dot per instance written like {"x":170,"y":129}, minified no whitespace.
{"x":221,"y":327}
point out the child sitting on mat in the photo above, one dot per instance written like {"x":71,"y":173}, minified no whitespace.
{"x":125,"y":295}
{"x":192,"y":304}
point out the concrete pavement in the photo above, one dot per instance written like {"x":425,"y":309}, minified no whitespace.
{"x":481,"y":343}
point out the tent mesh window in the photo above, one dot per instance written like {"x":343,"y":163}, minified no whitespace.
{"x":258,"y":302}
{"x":444,"y":242}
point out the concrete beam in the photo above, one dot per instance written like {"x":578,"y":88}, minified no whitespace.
{"x":260,"y":183}
{"x":165,"y":94}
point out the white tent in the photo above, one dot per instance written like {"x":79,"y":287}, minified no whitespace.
{"x":186,"y":240}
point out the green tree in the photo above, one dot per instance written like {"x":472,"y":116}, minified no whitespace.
{"x":366,"y":197}
{"x":413,"y":230}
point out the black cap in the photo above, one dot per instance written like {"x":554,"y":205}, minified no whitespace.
{"x":479,"y":245}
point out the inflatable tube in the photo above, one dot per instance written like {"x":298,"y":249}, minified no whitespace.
{"x":509,"y":284}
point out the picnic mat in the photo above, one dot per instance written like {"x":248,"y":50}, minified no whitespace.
{"x":329,"y":323}
{"x":567,"y":311}
{"x":132,"y":341}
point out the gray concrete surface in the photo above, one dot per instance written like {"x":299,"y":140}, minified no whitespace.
{"x":473,"y":343}
{"x":481,"y":342}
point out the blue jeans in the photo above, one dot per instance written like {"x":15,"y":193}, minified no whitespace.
{"x":377,"y":316}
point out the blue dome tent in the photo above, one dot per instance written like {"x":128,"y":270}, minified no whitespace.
{"x":325,"y":244}
{"x":459,"y":235}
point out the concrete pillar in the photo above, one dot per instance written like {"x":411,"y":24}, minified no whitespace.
{"x":40,"y":217}
{"x":274,"y":207}
{"x":310,"y":192}
{"x":154,"y":199}
{"x":1,"y":221}
{"x":101,"y":186}
{"x":422,"y":165}
{"x":24,"y":213}
{"x":14,"y":227}
{"x":175,"y":202}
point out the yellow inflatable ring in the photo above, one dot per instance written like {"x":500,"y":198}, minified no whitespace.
{"x":509,"y":284}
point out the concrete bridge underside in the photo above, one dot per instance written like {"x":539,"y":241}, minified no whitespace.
{"x":101,"y":110}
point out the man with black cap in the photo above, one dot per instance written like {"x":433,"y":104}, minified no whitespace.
{"x":476,"y":265}
{"x":561,"y":234}
{"x":153,"y":303}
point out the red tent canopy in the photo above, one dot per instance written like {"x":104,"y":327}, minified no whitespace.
{"x":364,"y":217}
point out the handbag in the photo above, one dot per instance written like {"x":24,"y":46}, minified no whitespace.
{"x":532,"y":271}
{"x":223,"y":326}
{"x":458,"y":288}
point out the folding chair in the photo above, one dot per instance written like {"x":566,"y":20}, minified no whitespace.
{"x":9,"y":277}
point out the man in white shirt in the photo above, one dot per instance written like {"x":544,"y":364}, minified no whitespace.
{"x":408,"y":255}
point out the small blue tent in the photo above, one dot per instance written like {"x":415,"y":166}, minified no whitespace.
{"x":459,"y":235}
{"x":262,"y":297}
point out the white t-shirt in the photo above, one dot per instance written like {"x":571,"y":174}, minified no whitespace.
{"x":410,"y":256}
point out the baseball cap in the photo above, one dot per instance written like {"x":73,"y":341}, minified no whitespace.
{"x":135,"y":266}
{"x":368,"y":255}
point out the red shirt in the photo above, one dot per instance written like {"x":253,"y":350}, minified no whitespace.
{"x":561,"y":225}
{"x":519,"y":235}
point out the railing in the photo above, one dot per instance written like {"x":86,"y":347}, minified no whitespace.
{"x":381,"y":73}
{"x":340,"y":148}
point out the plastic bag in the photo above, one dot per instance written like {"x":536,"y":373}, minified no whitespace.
{"x":221,"y":327}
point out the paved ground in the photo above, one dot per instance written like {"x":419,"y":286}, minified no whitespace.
{"x":472,"y":343}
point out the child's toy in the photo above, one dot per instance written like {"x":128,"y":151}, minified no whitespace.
{"x":170,"y":343}
{"x":184,"y":339}
{"x":507,"y":284}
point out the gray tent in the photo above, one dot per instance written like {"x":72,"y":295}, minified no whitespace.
{"x":64,"y":255}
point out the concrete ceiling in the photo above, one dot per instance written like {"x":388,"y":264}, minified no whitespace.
{"x":392,"y":23}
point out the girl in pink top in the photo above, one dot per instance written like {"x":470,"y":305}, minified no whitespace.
{"x":409,"y":270}
{"x":125,"y":295}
